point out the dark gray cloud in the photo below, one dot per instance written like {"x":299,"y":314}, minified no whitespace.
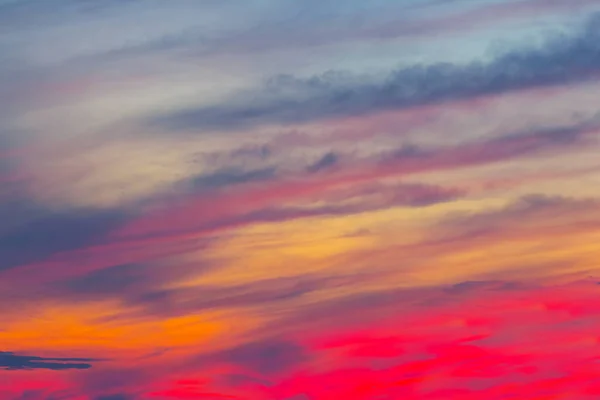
{"x":32,"y":232}
{"x":328,"y":160}
{"x":114,"y":280}
{"x":12,"y":361}
{"x":38,"y":233}
{"x":232,"y":176}
{"x":561,"y":59}
{"x":413,"y":159}
{"x":120,"y":282}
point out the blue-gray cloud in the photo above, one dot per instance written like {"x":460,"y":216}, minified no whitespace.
{"x":36,"y":233}
{"x":232,"y":176}
{"x":118,"y":282}
{"x":102,"y":283}
{"x":325,"y":162}
{"x":12,"y":361}
{"x":562,"y":59}
{"x":289,"y":24}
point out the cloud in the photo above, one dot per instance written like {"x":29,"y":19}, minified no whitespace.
{"x":488,"y":339}
{"x":328,"y":160}
{"x":271,"y":356}
{"x":110,"y":281}
{"x":451,"y":341}
{"x":232,"y":176}
{"x":118,"y":380}
{"x":289,"y":198}
{"x":410,"y":159}
{"x":22,"y":8}
{"x":99,"y":289}
{"x":560,"y":60}
{"x":118,"y":396}
{"x":285,"y":201}
{"x":180,"y":301}
{"x":358,"y":309}
{"x":489,"y":13}
{"x":343,"y":192}
{"x":111,"y":274}
{"x":324,"y":23}
{"x":41,"y":233}
{"x":531,"y":212}
{"x":364,"y":201}
{"x":11,"y":361}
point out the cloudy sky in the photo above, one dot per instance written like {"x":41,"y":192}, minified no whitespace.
{"x":291,"y":200}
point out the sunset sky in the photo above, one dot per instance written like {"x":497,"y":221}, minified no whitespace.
{"x":299,"y":199}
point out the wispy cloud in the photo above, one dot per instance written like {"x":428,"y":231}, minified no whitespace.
{"x":292,"y":200}
{"x":562,"y":59}
{"x":45,"y":233}
{"x":12,"y":361}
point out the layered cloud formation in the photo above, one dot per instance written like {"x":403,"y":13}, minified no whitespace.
{"x":299,"y":200}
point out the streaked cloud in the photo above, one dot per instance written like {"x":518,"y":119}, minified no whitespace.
{"x":11,"y":361}
{"x":561,"y":60}
{"x":293,"y":200}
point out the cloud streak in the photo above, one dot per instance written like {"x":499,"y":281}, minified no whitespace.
{"x":315,"y":199}
{"x":12,"y":361}
{"x":560,"y":60}
{"x":45,"y":233}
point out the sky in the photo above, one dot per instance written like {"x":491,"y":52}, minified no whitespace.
{"x":292,"y":200}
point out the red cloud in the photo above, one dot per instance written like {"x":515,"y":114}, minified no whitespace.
{"x":498,"y":344}
{"x":493,"y":343}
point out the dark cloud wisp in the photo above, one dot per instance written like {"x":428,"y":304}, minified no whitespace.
{"x":562,"y":59}
{"x":49,"y":233}
{"x":232,"y":176}
{"x":12,"y":361}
